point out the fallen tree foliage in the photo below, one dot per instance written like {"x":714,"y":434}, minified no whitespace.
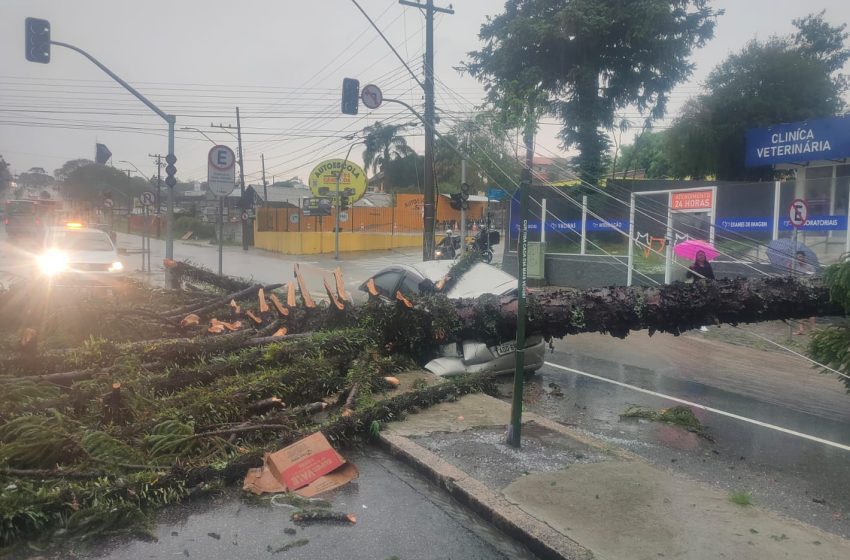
{"x":130,"y":410}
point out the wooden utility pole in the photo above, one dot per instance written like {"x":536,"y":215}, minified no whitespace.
{"x":430,"y":207}
{"x":265,"y":185}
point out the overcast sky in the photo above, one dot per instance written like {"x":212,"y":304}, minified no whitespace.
{"x":281,"y":61}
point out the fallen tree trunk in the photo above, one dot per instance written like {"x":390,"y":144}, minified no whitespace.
{"x":182,"y":270}
{"x":673,"y":308}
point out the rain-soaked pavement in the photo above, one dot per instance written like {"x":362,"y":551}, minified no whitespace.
{"x":399,"y":515}
{"x":801,"y":478}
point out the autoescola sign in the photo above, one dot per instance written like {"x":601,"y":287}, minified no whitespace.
{"x":351,"y":176}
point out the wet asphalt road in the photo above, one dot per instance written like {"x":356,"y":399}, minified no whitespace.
{"x":803,"y":479}
{"x":399,"y":515}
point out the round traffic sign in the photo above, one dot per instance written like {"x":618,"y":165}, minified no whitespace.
{"x":245,"y":216}
{"x":222,"y":158}
{"x":343,"y":216}
{"x":108,"y":203}
{"x":371,"y":96}
{"x":147,"y":198}
{"x":294,"y":218}
{"x":171,"y":159}
{"x":798,"y":212}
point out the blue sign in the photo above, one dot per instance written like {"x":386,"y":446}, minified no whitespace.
{"x":819,"y":223}
{"x":746,"y":224}
{"x":496,"y":193}
{"x":575,"y":225}
{"x":799,"y":142}
{"x":814,"y":223}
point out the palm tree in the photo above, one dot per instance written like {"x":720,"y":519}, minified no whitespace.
{"x":384,"y":144}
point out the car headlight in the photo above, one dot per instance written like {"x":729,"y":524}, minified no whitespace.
{"x":116,"y":267}
{"x":53,"y":262}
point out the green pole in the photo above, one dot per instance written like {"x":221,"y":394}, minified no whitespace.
{"x":515,"y":429}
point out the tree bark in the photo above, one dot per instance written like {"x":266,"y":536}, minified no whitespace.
{"x":672,"y":308}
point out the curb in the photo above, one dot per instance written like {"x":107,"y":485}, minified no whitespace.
{"x":539,"y":537}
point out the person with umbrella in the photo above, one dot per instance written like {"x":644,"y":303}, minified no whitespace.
{"x":701,"y":268}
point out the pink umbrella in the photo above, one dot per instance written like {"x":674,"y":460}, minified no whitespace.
{"x":688,"y":249}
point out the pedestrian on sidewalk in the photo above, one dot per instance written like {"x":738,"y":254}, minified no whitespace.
{"x":700,"y":270}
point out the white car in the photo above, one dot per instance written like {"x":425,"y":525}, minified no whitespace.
{"x":74,"y":255}
{"x":468,"y":356}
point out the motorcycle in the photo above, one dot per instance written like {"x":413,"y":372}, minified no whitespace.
{"x":483,"y":243}
{"x":447,"y":248}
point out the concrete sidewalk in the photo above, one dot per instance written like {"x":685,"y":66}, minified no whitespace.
{"x":568,"y":495}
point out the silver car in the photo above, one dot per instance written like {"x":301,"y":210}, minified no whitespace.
{"x":468,"y":356}
{"x":75,"y":255}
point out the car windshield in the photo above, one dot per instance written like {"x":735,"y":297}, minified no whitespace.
{"x":81,"y":241}
{"x":20,"y":208}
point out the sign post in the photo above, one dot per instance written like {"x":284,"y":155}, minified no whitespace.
{"x":147,"y":198}
{"x":221,"y":178}
{"x":798,"y":213}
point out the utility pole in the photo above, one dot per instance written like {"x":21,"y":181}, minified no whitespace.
{"x":429,"y":10}
{"x":515,"y":428}
{"x":463,"y":204}
{"x":241,"y":172}
{"x":158,"y":158}
{"x":265,"y":185}
{"x":241,"y":181}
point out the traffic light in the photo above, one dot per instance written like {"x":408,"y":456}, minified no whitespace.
{"x":464,"y":191}
{"x":344,"y":202}
{"x":37,"y":40}
{"x":350,"y":96}
{"x":456,"y":201}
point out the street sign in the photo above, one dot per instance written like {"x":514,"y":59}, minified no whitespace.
{"x":221,"y":171}
{"x":323,"y":179}
{"x":294,"y":218}
{"x":371,"y":96}
{"x":343,"y":216}
{"x":108,"y":203}
{"x":316,"y":206}
{"x":245,"y":216}
{"x":147,"y":198}
{"x":798,"y":212}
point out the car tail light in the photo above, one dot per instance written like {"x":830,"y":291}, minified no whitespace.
{"x":38,"y":221}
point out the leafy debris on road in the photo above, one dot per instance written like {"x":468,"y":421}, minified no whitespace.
{"x":678,"y":416}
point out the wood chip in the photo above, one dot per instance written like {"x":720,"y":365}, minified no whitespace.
{"x":280,"y":332}
{"x":290,"y":295}
{"x":370,"y":285}
{"x":332,"y":296}
{"x":302,"y":287}
{"x":283,"y":311}
{"x":400,"y":297}
{"x":394,"y":381}
{"x":340,"y":285}
{"x":235,"y":307}
{"x":253,"y":317}
{"x":261,"y":296}
{"x":190,"y":320}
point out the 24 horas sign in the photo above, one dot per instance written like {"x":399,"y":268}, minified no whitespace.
{"x":799,"y":142}
{"x":351,"y":176}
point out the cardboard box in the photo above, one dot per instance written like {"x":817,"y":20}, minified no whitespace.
{"x":308,"y":467}
{"x":304,"y":461}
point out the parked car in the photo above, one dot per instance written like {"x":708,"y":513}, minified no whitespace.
{"x":467,"y":356}
{"x":74,"y":255}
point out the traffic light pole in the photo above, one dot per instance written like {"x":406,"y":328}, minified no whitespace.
{"x":170,"y":158}
{"x":339,"y":201}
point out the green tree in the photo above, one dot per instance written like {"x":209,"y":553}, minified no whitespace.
{"x":384,"y":143}
{"x":405,"y":174}
{"x":647,"y":155}
{"x":35,"y":177}
{"x":5,"y":175}
{"x":783,"y":79}
{"x":90,"y":182}
{"x":490,"y":161}
{"x":582,"y":60}
{"x":69,"y":167}
{"x":831,"y":345}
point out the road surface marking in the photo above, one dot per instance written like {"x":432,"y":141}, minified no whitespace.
{"x":703,"y":407}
